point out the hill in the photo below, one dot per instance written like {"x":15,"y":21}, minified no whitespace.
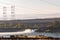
{"x":28,"y":23}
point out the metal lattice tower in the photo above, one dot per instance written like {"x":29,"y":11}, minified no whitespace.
{"x":12,"y":12}
{"x":4,"y":13}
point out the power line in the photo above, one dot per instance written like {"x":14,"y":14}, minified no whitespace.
{"x":29,"y":9}
{"x":4,"y":13}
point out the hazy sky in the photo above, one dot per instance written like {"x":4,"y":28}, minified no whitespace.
{"x":28,"y":9}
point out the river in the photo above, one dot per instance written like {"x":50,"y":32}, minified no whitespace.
{"x":55,"y":35}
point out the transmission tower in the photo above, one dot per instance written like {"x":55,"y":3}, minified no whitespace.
{"x":12,"y":12}
{"x":4,"y":13}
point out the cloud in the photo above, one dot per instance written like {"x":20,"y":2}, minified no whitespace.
{"x":27,"y":9}
{"x":37,"y":16}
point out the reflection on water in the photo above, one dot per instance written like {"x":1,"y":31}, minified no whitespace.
{"x":55,"y":35}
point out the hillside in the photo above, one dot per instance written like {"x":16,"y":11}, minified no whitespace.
{"x":32,"y":20}
{"x":28,"y":23}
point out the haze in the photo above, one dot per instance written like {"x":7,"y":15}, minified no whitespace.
{"x":32,"y":9}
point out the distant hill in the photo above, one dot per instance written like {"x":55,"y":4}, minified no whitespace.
{"x":53,"y":27}
{"x":28,"y":23}
{"x":32,"y":20}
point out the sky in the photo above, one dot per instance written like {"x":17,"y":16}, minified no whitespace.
{"x":31,"y":9}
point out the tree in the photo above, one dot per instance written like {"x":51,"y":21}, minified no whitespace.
{"x":56,"y":23}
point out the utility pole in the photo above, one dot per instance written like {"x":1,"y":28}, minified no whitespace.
{"x":4,"y":13}
{"x":4,"y":16}
{"x":12,"y":12}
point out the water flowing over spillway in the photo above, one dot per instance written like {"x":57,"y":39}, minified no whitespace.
{"x":15,"y":32}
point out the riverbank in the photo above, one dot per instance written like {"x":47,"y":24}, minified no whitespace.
{"x":30,"y":38}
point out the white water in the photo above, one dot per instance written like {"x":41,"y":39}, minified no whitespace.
{"x":16,"y":33}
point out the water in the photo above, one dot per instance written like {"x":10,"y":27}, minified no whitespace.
{"x":54,"y":35}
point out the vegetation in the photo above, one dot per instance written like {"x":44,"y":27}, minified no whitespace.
{"x":18,"y":25}
{"x":51,"y":27}
{"x":43,"y":26}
